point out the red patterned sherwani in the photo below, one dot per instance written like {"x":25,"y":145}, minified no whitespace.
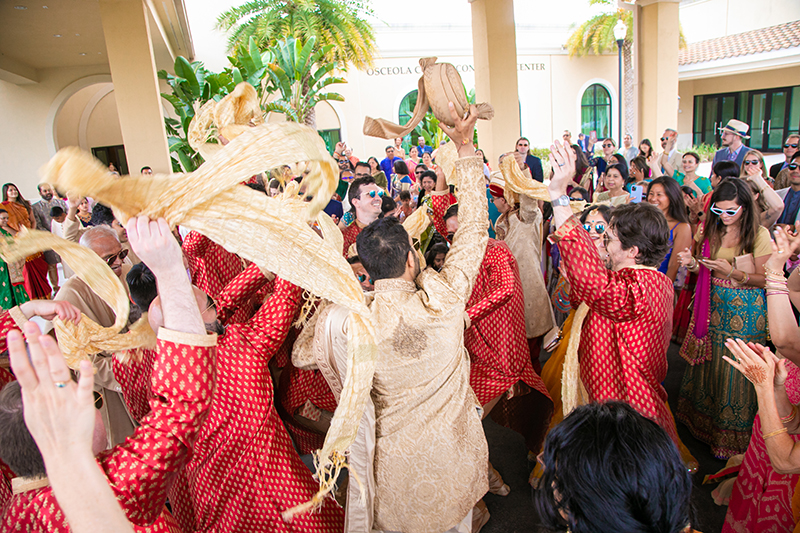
{"x":213,"y":267}
{"x":496,"y":340}
{"x":350,"y":233}
{"x":6,"y":475}
{"x":140,"y":470}
{"x":244,"y":471}
{"x":625,"y":336}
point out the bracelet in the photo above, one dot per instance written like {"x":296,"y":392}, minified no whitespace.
{"x":769,"y":272}
{"x":790,"y":417}
{"x":693,"y":264}
{"x":776,"y":432}
{"x":730,"y":273}
{"x":746,"y":278}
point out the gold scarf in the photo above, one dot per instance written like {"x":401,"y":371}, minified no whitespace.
{"x":272,"y":232}
{"x":79,"y":341}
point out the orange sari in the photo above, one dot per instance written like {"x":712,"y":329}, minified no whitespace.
{"x":35,"y":270}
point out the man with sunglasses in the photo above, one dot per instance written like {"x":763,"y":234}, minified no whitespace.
{"x":103,"y":241}
{"x":671,"y":158}
{"x":532,"y":163}
{"x":628,"y":325}
{"x":791,"y":194}
{"x":366,"y":199}
{"x":790,"y":147}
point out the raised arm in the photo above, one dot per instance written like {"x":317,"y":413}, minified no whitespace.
{"x":240,"y":291}
{"x":501,"y":283}
{"x":782,"y":325}
{"x":469,"y":244}
{"x":140,"y":470}
{"x":270,"y":325}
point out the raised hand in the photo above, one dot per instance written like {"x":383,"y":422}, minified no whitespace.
{"x":464,"y":130}
{"x":59,"y":413}
{"x":562,"y":161}
{"x":757,"y":367}
{"x":155,"y":244}
{"x":784,"y":246}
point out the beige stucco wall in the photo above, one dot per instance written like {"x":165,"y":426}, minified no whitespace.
{"x":103,"y":127}
{"x":69,"y":118}
{"x":550,"y":89}
{"x":765,"y":79}
{"x":25,"y":143}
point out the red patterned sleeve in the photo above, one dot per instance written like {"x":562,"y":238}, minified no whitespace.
{"x":195,"y":244}
{"x":272,"y":322}
{"x":11,"y":319}
{"x":140,"y":470}
{"x":440,"y":202}
{"x":617,"y":296}
{"x":501,"y":284}
{"x":240,"y":291}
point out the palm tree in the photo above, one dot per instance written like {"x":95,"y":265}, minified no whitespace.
{"x":300,"y":73}
{"x":596,"y":35}
{"x":338,"y":23}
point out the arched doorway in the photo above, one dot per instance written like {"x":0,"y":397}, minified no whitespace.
{"x":596,"y":111}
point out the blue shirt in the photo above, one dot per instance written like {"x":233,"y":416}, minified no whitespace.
{"x":388,"y":168}
{"x":791,"y":204}
{"x":424,"y":149}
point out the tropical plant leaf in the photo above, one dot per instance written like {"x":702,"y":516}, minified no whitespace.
{"x":184,"y":69}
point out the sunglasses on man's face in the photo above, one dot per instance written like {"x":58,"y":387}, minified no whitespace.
{"x":599,"y":227}
{"x":729,"y":212}
{"x":110,"y":260}
{"x":362,"y":278}
{"x":792,"y":166}
{"x":373,"y":194}
{"x":793,"y":145}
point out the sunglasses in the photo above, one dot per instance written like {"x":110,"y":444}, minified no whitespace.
{"x":600,"y":228}
{"x":608,"y":146}
{"x":751,"y":162}
{"x":792,"y":166}
{"x":362,"y":278}
{"x":664,"y":139}
{"x":98,"y":400}
{"x":607,"y":239}
{"x":210,"y":304}
{"x":790,"y":145}
{"x":729,"y":212}
{"x":110,"y":260}
{"x":373,"y":194}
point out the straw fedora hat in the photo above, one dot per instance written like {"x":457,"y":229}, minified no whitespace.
{"x":736,"y":126}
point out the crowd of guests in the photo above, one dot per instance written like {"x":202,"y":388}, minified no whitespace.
{"x":628,"y":250}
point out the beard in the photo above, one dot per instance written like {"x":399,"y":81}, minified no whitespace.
{"x":215,"y":327}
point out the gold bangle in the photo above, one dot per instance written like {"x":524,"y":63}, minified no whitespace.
{"x":776,"y":432}
{"x":790,"y":416}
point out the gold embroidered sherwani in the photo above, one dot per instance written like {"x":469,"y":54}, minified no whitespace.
{"x":430,"y":452}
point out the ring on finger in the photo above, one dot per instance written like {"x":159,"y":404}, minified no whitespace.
{"x":60,"y":384}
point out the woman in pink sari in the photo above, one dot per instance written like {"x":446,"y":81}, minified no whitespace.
{"x":764,"y":489}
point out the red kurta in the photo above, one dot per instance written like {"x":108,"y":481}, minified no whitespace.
{"x":244,"y":471}
{"x":496,"y":341}
{"x":350,"y":233}
{"x":213,"y":267}
{"x":140,"y":469}
{"x":624,"y":340}
{"x":6,"y":475}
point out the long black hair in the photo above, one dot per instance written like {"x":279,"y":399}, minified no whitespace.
{"x":677,"y":207}
{"x":733,"y":189}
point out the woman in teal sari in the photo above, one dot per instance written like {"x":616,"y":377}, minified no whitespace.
{"x":12,"y":281}
{"x":716,"y":402}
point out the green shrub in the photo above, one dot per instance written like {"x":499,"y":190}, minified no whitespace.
{"x":705,"y":151}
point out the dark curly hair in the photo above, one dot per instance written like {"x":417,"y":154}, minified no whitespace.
{"x":644,"y":226}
